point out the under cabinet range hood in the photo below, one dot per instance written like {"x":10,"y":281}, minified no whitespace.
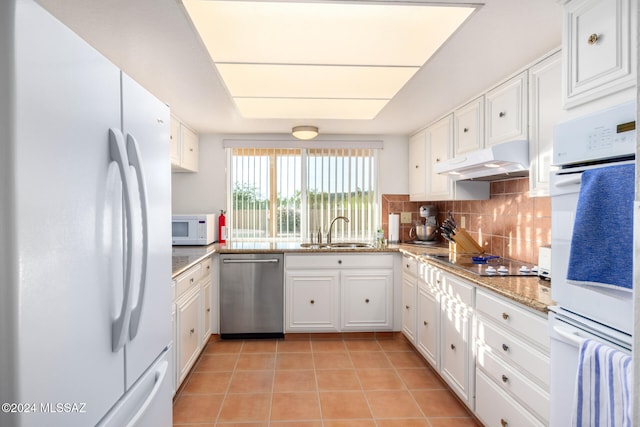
{"x":505,"y":160}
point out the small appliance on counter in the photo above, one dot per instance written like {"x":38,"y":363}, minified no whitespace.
{"x":425,"y":231}
{"x":544,"y":262}
{"x":193,"y":229}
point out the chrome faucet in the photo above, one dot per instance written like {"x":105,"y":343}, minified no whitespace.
{"x":331,"y":226}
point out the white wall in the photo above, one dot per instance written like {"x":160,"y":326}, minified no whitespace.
{"x":204,"y":191}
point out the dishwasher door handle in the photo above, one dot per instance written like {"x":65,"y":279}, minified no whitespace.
{"x":251,"y":261}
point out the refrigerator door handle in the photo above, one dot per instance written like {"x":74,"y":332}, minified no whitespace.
{"x":160,"y":373}
{"x":119,"y":155}
{"x":133,"y":152}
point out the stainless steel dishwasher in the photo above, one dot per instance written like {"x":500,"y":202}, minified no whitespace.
{"x":251,"y":295}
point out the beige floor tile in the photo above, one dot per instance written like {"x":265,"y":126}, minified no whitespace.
{"x":393,"y":404}
{"x":207,"y":383}
{"x":338,"y":380}
{"x":294,"y":361}
{"x":197,"y":408}
{"x":251,"y":382}
{"x":439,"y":403}
{"x":295,"y":407}
{"x":294,"y":381}
{"x":344,"y":405}
{"x":245,"y":407}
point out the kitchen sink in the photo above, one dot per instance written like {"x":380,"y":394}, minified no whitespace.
{"x":337,"y":245}
{"x":312,"y":245}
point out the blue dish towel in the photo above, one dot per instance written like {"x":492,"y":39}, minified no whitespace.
{"x":603,"y":388}
{"x":602,"y":243}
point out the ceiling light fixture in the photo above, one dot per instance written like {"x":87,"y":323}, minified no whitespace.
{"x":304,"y":132}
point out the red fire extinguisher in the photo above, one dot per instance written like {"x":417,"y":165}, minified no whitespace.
{"x":222,"y":228}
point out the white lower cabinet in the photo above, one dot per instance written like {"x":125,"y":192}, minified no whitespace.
{"x":512,"y":359}
{"x":429,"y":325}
{"x":409,"y":297}
{"x":338,"y":292}
{"x":193,"y":312}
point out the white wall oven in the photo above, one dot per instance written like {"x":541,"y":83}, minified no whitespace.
{"x":593,"y":299}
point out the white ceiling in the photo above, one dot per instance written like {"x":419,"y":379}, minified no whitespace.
{"x":154,"y":42}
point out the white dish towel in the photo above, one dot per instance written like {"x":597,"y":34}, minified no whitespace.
{"x":603,"y":388}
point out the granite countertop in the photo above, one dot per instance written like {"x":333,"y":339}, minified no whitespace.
{"x":530,"y":291}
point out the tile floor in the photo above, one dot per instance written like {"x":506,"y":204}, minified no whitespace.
{"x":316,"y":383}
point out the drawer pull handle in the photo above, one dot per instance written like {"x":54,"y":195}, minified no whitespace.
{"x":465,"y":130}
{"x":367,"y":300}
{"x":593,"y":39}
{"x":505,"y":378}
{"x":453,"y":347}
{"x":192,"y":331}
{"x":505,"y":316}
{"x":503,"y":422}
{"x":502,"y":114}
{"x":505,"y":347}
{"x":312,"y":301}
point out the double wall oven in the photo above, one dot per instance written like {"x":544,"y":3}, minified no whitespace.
{"x":600,"y":313}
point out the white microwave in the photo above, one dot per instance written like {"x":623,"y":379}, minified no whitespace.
{"x":196,"y":229}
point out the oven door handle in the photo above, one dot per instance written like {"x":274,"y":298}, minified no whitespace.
{"x":573,"y":180}
{"x":572,"y":337}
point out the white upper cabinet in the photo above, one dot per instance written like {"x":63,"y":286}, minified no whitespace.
{"x":545,"y":111}
{"x":506,"y":111}
{"x":599,"y":48}
{"x":184,"y":147}
{"x":418,"y":167}
{"x":469,"y":127}
{"x":439,"y":143}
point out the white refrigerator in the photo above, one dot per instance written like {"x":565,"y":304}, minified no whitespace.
{"x":85,"y":245}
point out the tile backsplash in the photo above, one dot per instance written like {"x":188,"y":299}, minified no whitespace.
{"x":510,"y":224}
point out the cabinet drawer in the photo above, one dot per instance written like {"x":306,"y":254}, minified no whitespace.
{"x":410,"y":266}
{"x":317,"y":261}
{"x":207,"y":265}
{"x":529,"y":325}
{"x":515,"y":351}
{"x":495,"y":408}
{"x":458,"y":291}
{"x":188,"y":279}
{"x":514,"y":383}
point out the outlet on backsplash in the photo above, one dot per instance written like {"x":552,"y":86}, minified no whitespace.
{"x":405,"y":217}
{"x":463,"y":221}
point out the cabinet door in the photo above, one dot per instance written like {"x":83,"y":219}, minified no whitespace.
{"x":409,"y":297}
{"x":188,"y":314}
{"x":417,"y":167}
{"x":439,"y":141}
{"x":469,"y":127}
{"x":312,"y":301}
{"x":506,"y":111}
{"x":367,"y":300}
{"x":189,"y":140}
{"x":428,"y":324}
{"x":599,"y":48}
{"x":205,"y":326}
{"x":455,"y":357}
{"x":545,"y":110}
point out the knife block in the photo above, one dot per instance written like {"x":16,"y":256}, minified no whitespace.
{"x":464,"y":243}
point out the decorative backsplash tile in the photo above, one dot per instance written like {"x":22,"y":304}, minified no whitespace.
{"x":510,"y":224}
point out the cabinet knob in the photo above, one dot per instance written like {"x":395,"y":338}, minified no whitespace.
{"x":191,"y":280}
{"x":367,"y":300}
{"x":465,"y":130}
{"x":453,"y":347}
{"x":502,"y":114}
{"x":503,"y":422}
{"x":192,"y":331}
{"x":437,"y":159}
{"x":417,"y":166}
{"x":426,"y":323}
{"x":505,"y":316}
{"x":339,"y":261}
{"x":191,"y":149}
{"x":312,"y":301}
{"x":208,"y":310}
{"x":159,"y":120}
{"x":593,"y":39}
{"x":208,"y":267}
{"x":505,"y":347}
{"x":505,"y":378}
{"x":407,"y":307}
